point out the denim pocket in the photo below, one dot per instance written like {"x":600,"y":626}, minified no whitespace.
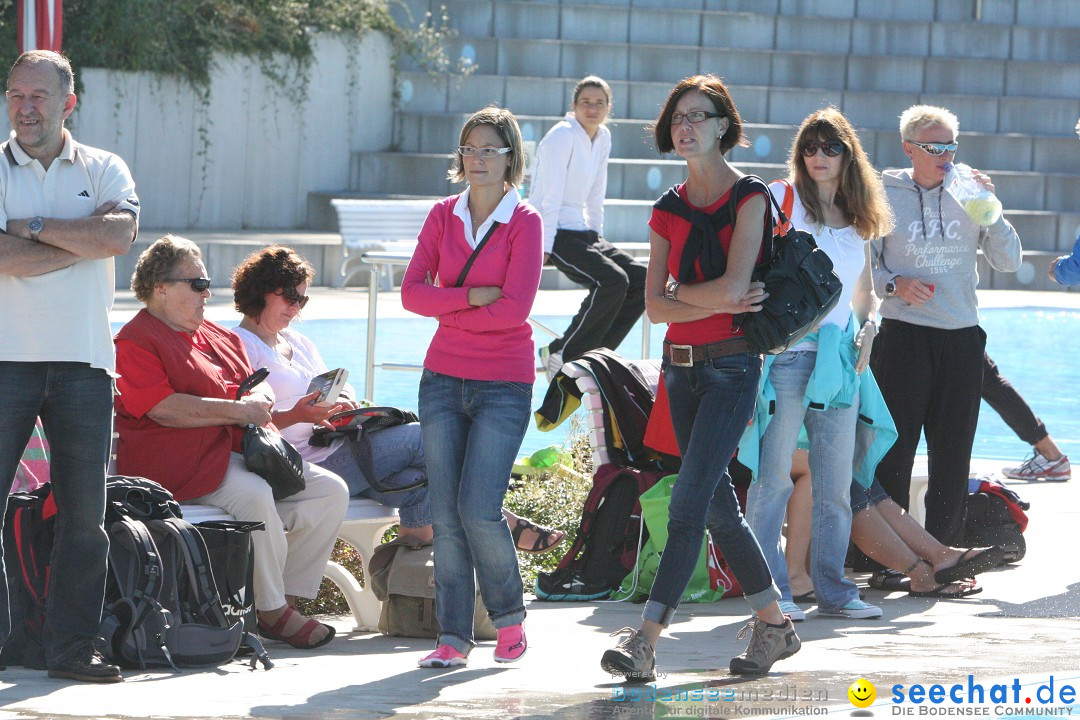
{"x":523,"y":388}
{"x":731,"y":364}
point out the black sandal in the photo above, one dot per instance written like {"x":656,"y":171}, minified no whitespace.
{"x":544,"y":541}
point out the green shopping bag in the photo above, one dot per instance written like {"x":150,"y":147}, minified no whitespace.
{"x":704,"y":586}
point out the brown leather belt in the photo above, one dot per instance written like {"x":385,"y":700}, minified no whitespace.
{"x":687,"y":355}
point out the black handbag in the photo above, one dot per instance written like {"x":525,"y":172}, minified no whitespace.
{"x":799,"y":278}
{"x":801,"y":284}
{"x":269,"y":455}
{"x":232,"y":561}
{"x":354,"y":426}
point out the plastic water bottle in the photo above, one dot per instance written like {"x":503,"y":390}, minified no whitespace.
{"x":981,"y":205}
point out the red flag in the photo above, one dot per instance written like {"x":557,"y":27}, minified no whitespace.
{"x":41,"y":24}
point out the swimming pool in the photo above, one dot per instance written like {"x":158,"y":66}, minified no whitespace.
{"x":1035,"y":348}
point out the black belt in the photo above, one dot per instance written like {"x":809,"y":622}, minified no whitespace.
{"x":687,"y":355}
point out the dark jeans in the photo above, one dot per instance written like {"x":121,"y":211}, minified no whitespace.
{"x":999,"y":394}
{"x":75,"y":405}
{"x":931,"y":380}
{"x":616,"y":296}
{"x":711,"y":403}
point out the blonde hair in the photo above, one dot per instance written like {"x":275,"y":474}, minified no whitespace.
{"x":917,"y":117}
{"x":506,"y":125}
{"x":861,"y":196}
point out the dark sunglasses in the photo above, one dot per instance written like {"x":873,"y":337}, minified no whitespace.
{"x":935,"y":148}
{"x":197,"y":284}
{"x":292,"y":297}
{"x":831,"y":148}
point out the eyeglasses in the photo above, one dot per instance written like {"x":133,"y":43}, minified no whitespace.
{"x":486,"y":152}
{"x":935,"y":148}
{"x":292,"y":297}
{"x":694,"y":116}
{"x":831,"y":148}
{"x":197,"y":284}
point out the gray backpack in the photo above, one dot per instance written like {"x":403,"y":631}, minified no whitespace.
{"x":403,"y":578}
{"x":162,"y":607}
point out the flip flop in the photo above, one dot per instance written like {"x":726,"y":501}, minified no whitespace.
{"x":890,"y":581}
{"x":301,"y":639}
{"x":970,"y":564}
{"x":807,"y":598}
{"x":544,"y":541}
{"x":940,"y":592}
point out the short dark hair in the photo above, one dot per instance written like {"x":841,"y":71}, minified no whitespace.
{"x":713,"y":88}
{"x":266,"y":271}
{"x":57,"y":60}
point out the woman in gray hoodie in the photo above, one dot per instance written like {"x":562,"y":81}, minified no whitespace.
{"x":928,"y":356}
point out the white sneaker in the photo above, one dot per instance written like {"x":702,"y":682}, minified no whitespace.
{"x":552,"y":362}
{"x":855,"y":609}
{"x":793,"y":611}
{"x":1037,"y":467}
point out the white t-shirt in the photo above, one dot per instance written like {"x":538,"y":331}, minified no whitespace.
{"x":843,"y":246}
{"x":289,"y":380}
{"x":571,"y":179}
{"x":61,"y":316}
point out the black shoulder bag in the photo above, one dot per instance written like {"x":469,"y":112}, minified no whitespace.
{"x":354,"y":426}
{"x":269,"y":455}
{"x":799,"y":278}
{"x":476,"y":251}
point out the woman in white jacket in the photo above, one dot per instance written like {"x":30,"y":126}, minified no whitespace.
{"x":568,"y":189}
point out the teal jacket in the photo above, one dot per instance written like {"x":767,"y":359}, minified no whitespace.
{"x":833,"y":384}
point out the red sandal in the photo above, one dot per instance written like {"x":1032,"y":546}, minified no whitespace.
{"x":301,"y":639}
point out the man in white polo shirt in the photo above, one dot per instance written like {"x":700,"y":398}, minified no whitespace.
{"x":66,"y":210}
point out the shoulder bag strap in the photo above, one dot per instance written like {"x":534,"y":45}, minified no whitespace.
{"x":472,"y":258}
{"x":783,"y":225}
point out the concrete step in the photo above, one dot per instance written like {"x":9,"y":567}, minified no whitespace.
{"x":880,"y":31}
{"x":632,"y":179}
{"x":780,"y":105}
{"x":633,"y":139}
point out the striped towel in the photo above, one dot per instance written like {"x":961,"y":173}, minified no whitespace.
{"x":33,"y":469}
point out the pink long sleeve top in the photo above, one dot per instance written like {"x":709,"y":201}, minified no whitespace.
{"x":493,"y":342}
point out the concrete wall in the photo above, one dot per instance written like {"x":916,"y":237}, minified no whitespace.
{"x":266,"y":153}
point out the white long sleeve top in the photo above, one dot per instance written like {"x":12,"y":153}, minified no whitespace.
{"x":571,"y":179}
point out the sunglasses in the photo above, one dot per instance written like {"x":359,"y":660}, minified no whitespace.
{"x":292,"y":297}
{"x":831,"y":148}
{"x":935,"y":148}
{"x":484,"y":152}
{"x":197,"y":284}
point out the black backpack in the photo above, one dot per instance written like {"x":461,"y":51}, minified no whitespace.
{"x":606,"y":547}
{"x":162,"y":607}
{"x":991,"y":522}
{"x":28,"y":542}
{"x":799,"y":278}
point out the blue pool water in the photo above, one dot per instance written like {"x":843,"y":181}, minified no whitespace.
{"x":1035,"y":348}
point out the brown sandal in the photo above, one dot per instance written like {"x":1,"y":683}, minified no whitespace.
{"x":544,"y":541}
{"x":301,"y":639}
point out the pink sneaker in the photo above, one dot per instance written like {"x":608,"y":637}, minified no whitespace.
{"x":512,"y":644}
{"x":443,"y":657}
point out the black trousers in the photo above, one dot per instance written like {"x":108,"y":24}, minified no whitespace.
{"x":999,"y":394}
{"x":931,"y":380}
{"x":616,"y":296}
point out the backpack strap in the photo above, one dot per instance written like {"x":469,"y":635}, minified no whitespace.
{"x":202,"y":600}
{"x":139,"y":586}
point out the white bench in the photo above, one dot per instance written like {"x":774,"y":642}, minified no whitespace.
{"x":365,"y":523}
{"x":377,"y":224}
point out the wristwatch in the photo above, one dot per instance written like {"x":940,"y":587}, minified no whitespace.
{"x":890,"y":287}
{"x":34,"y":227}
{"x":671,"y":289}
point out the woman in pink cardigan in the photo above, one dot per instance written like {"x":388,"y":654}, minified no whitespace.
{"x":476,"y":269}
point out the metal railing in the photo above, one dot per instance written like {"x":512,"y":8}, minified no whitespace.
{"x":379,"y":259}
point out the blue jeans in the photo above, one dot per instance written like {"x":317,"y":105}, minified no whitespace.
{"x":398,"y":454}
{"x":74,"y":401}
{"x":832,"y":445}
{"x":711,"y":403}
{"x":472,"y":432}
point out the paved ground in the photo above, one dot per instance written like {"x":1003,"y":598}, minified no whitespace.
{"x":1023,"y":630}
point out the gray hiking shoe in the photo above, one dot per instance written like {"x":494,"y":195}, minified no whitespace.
{"x":633,"y":658}
{"x":768,"y":643}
